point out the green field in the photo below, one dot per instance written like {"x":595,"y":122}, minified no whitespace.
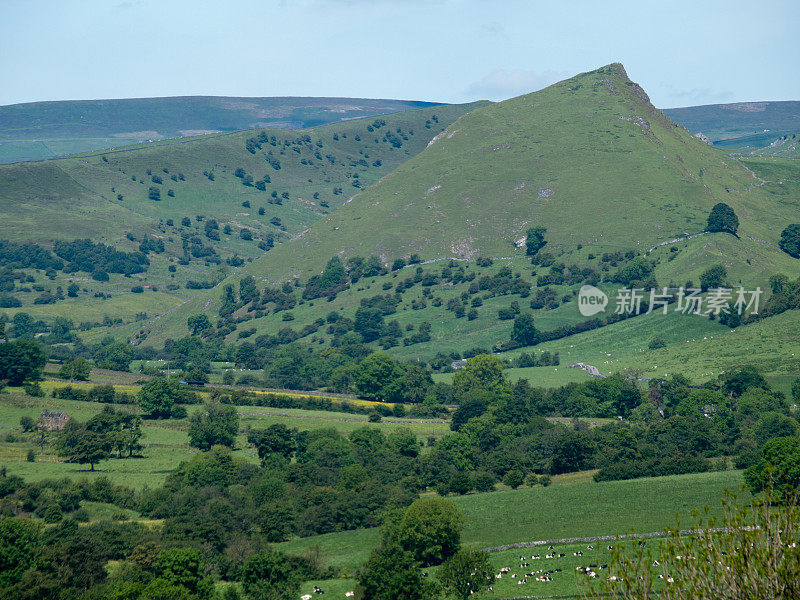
{"x":166,"y":443}
{"x":696,"y":347}
{"x":571,"y":507}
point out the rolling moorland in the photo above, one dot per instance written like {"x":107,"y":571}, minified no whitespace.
{"x":749,"y":125}
{"x":38,"y":130}
{"x":317,"y":337}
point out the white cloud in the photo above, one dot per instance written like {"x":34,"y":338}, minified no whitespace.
{"x":501,"y":84}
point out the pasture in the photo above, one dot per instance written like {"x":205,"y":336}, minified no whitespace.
{"x":165,"y":442}
{"x":571,"y":507}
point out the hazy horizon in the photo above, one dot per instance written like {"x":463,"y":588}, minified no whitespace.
{"x":683,"y":54}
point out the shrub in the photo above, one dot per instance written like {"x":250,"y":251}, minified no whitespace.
{"x":484,"y":482}
{"x":513,"y":479}
{"x":790,"y":240}
{"x":722,"y":219}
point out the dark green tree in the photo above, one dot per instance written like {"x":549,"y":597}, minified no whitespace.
{"x":465,"y":572}
{"x":275,"y":439}
{"x":116,"y":356}
{"x":198,"y":323}
{"x":157,"y":398}
{"x":773,"y":424}
{"x":248,"y":292}
{"x":392,"y":574}
{"x":430,"y":530}
{"x":524,"y":331}
{"x":722,"y":219}
{"x":369,"y":323}
{"x":778,"y":470}
{"x":215,"y":424}
{"x":79,"y":444}
{"x":20,"y":361}
{"x":228,"y":305}
{"x":184,"y":567}
{"x":738,"y":381}
{"x":380,"y":377}
{"x":790,"y":240}
{"x":713,"y":277}
{"x":513,"y":479}
{"x":19,"y":542}
{"x":61,"y":331}
{"x":24,"y":326}
{"x":269,"y":575}
{"x":78,"y":369}
{"x":534,"y":240}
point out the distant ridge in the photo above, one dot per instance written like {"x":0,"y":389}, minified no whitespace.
{"x":740,"y":124}
{"x":38,"y":130}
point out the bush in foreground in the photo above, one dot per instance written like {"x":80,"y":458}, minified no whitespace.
{"x":752,"y":553}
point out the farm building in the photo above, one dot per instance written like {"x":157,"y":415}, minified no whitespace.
{"x":54,"y":419}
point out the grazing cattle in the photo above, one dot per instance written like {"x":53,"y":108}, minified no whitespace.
{"x":305,"y":597}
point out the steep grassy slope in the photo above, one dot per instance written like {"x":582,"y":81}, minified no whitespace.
{"x":732,"y":125}
{"x":37,"y":130}
{"x":590,"y":159}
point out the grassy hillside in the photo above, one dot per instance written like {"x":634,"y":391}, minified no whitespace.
{"x":696,"y":347}
{"x":37,"y":130}
{"x":785,"y":145}
{"x":590,"y":159}
{"x":568,"y":508}
{"x":740,"y":124}
{"x":106,"y":196}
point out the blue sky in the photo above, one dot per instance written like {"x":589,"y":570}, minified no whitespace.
{"x":683,"y":53}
